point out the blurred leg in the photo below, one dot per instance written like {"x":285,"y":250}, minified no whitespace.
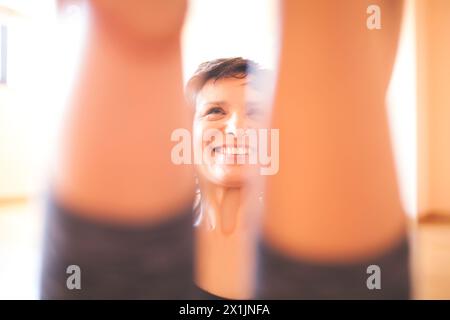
{"x":120,"y":209}
{"x":335,"y":199}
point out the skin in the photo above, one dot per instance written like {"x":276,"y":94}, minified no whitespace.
{"x":114,"y":161}
{"x":225,"y":254}
{"x":433,"y":76}
{"x":335,"y":198}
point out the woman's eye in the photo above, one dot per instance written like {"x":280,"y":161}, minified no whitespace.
{"x":215,"y":110}
{"x":214,"y":113}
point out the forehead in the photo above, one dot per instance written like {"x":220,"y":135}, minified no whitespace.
{"x":232,"y":90}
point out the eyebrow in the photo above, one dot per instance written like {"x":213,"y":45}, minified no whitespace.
{"x":219,"y":103}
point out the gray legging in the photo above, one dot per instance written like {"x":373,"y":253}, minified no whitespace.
{"x":285,"y":278}
{"x":117,"y":262}
{"x":156,"y":262}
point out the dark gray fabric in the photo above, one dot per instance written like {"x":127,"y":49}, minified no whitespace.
{"x":156,"y":262}
{"x":117,"y":262}
{"x":201,"y":294}
{"x":282,"y":277}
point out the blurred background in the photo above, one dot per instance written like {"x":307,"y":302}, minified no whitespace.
{"x":40,"y":46}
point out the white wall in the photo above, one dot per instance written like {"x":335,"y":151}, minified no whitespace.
{"x":221,"y":29}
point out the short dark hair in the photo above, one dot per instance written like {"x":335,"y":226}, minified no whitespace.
{"x":217,"y":69}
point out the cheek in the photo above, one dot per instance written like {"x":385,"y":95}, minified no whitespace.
{"x":201,"y":127}
{"x":198,"y":129}
{"x":200,"y":145}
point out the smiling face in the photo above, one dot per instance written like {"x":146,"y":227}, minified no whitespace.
{"x":226,"y":108}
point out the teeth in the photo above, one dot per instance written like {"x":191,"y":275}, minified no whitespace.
{"x":232,"y":150}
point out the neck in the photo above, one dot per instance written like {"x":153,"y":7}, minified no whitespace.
{"x":222,"y":206}
{"x":225,"y":253}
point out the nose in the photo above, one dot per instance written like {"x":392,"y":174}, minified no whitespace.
{"x":234,"y":124}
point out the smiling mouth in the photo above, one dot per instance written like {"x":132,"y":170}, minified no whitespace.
{"x":234,"y":151}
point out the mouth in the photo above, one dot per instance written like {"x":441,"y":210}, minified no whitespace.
{"x":232,"y":150}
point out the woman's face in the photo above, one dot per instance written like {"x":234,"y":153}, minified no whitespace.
{"x":225,"y":108}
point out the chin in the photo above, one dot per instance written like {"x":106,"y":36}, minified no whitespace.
{"x":233,"y":176}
